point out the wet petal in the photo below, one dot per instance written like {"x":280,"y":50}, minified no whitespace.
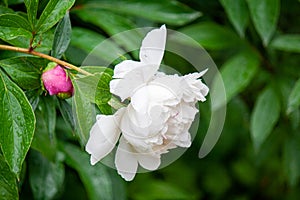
{"x":153,"y":46}
{"x":125,"y":160}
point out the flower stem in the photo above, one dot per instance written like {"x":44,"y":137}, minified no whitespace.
{"x":31,"y":52}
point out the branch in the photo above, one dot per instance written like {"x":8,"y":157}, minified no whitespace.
{"x":60,"y":62}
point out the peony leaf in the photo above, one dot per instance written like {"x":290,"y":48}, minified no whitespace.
{"x":96,"y":87}
{"x":294,"y":98}
{"x":237,"y":13}
{"x":66,"y":112}
{"x":85,"y":90}
{"x":14,"y":20}
{"x":103,"y":94}
{"x":169,"y":12}
{"x":291,"y":160}
{"x":25,"y":71}
{"x":264,"y":117}
{"x":54,"y":11}
{"x":62,"y":37}
{"x":264,"y":14}
{"x":211,"y":35}
{"x":290,"y":43}
{"x":15,"y":29}
{"x":110,"y":22}
{"x":236,"y":73}
{"x":17,"y":123}
{"x":46,"y":178}
{"x":83,"y":112}
{"x":5,"y":10}
{"x":32,"y":8}
{"x":44,"y":139}
{"x":100,"y":50}
{"x":99,"y":182}
{"x":8,"y":185}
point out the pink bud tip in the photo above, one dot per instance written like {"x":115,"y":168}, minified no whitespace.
{"x":56,"y":82}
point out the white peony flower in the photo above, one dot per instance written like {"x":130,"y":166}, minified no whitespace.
{"x":158,"y":117}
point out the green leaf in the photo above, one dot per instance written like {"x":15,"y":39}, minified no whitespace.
{"x":8,"y":185}
{"x":48,"y":108}
{"x":62,"y":37}
{"x":294,"y":98}
{"x":25,"y":71}
{"x":33,"y":97}
{"x":98,"y":69}
{"x":98,"y":182}
{"x":169,"y":12}
{"x":236,"y":73}
{"x":54,"y":11}
{"x":237,"y":13}
{"x":112,"y":24}
{"x":291,"y":160}
{"x":88,"y":90}
{"x":96,"y":87}
{"x":46,"y":178}
{"x":159,"y":190}
{"x":44,"y":139}
{"x":264,"y":117}
{"x":5,"y":10}
{"x":211,"y":35}
{"x":14,"y":20}
{"x":13,"y":2}
{"x":290,"y":43}
{"x":32,"y":7}
{"x":84,"y":114}
{"x":13,"y":26}
{"x":103,"y":95}
{"x":44,"y":41}
{"x":66,"y":112}
{"x":94,"y":44}
{"x":17,"y":123}
{"x":264,"y":14}
{"x":5,"y":3}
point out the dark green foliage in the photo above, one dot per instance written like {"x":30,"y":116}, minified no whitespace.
{"x":255,"y":45}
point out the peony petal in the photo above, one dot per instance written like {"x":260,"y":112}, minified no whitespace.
{"x":126,"y":86}
{"x":125,"y":67}
{"x":133,"y":133}
{"x":193,"y":88}
{"x":148,"y":161}
{"x":152,"y":95}
{"x":187,"y":112}
{"x":142,"y":138}
{"x":141,"y":120}
{"x":183,"y":140}
{"x":97,"y":146}
{"x":131,"y":74}
{"x":153,"y":46}
{"x":125,"y":160}
{"x":171,"y":83}
{"x":103,"y":136}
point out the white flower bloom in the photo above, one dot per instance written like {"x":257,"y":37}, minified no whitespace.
{"x":158,"y":117}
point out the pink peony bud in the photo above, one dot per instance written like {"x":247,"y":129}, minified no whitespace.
{"x":56,"y":81}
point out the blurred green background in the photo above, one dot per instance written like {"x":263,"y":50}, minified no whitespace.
{"x":256,"y":46}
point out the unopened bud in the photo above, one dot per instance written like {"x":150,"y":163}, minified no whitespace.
{"x":56,"y":81}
